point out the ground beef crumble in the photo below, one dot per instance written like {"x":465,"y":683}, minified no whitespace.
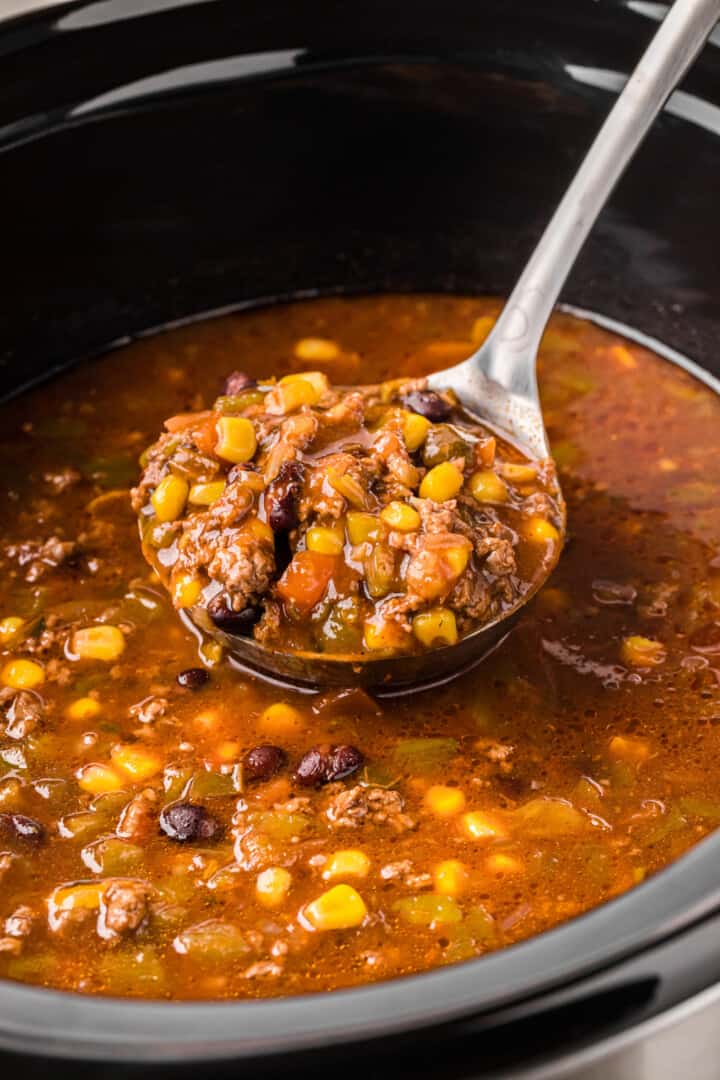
{"x":357,"y":805}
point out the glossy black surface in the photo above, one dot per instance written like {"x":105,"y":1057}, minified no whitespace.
{"x":156,"y":165}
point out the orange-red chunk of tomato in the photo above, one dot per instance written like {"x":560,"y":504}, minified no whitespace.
{"x":202,"y":425}
{"x":306,"y":578}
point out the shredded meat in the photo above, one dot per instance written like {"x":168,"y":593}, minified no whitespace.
{"x":150,"y":709}
{"x":379,"y":806}
{"x":213,"y":541}
{"x":337,"y":480}
{"x":62,"y":480}
{"x":389,"y":448}
{"x":403,"y":871}
{"x":293,"y":435}
{"x":266,"y":631}
{"x":494,"y":750}
{"x":263,"y":969}
{"x":139,"y":818}
{"x":349,"y":411}
{"x":20,"y":923}
{"x":24,"y":714}
{"x":125,"y":906}
{"x":499,"y":555}
{"x":38,"y":559}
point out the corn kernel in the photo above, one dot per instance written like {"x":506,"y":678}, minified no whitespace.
{"x":211,"y":653}
{"x":186,"y":590}
{"x":384,"y":634}
{"x":273,"y":885}
{"x":228,"y":750}
{"x":84,"y":708}
{"x":457,"y":558}
{"x":236,"y":439}
{"x":642,"y":652}
{"x":10,"y":626}
{"x":325,"y":541}
{"x":441,"y":483}
{"x":541,"y":531}
{"x":99,"y":779}
{"x":98,"y":643}
{"x":349,"y":863}
{"x":435,"y":627}
{"x":206,"y":494}
{"x":519,"y":472}
{"x":444,"y":801}
{"x":362,"y":527}
{"x":622,"y":356}
{"x":136,"y":762}
{"x":624,"y":748}
{"x":208,"y":720}
{"x":500,"y":863}
{"x":487,"y":487}
{"x":22,"y":674}
{"x":340,"y":908}
{"x":479,"y":826}
{"x":286,"y":399}
{"x":318,"y":380}
{"x":415,"y":429}
{"x":169,"y":498}
{"x":450,"y":877}
{"x":281,"y":719}
{"x":313,"y":348}
{"x":400,"y":516}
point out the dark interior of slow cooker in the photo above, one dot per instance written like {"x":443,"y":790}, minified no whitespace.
{"x":401,"y":146}
{"x":345,"y":147}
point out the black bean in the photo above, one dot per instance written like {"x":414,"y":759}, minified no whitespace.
{"x":283,"y":553}
{"x":233,"y":622}
{"x":344,"y":760}
{"x":428,"y":404}
{"x":193,"y":678}
{"x":312,"y":768}
{"x":282,"y":496}
{"x":185,"y":822}
{"x":20,"y":827}
{"x":262,"y":762}
{"x":237,"y":381}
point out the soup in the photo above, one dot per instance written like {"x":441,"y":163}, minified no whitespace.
{"x":365,"y":520}
{"x":175,"y":828}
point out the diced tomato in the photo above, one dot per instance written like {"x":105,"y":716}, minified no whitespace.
{"x":183,"y":421}
{"x":202,"y":425}
{"x":304,"y":582}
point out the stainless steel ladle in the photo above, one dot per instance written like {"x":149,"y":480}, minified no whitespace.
{"x":498,"y":383}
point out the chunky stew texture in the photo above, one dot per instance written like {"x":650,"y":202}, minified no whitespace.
{"x":171,"y":828}
{"x":356,"y":520}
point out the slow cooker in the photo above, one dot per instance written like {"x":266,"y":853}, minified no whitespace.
{"x":161,"y":159}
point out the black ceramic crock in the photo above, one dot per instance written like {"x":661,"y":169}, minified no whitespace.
{"x":164,"y":158}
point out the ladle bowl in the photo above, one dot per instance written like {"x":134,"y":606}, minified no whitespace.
{"x":498,"y":383}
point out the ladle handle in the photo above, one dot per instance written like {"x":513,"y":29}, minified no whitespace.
{"x":509,"y":354}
